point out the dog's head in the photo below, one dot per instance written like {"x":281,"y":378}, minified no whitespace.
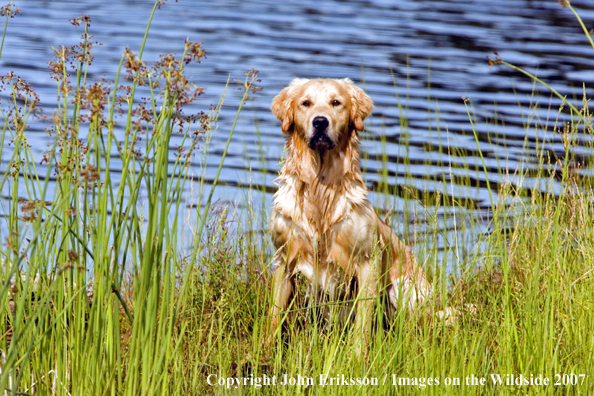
{"x":322,"y":112}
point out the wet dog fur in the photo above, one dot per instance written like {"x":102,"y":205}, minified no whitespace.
{"x":322,"y":224}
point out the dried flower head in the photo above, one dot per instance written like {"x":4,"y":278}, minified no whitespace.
{"x":162,"y":3}
{"x":86,"y":19}
{"x":135,"y":67}
{"x":169,"y":78}
{"x":24,"y":100}
{"x":249,"y":83}
{"x":193,"y":52}
{"x":93,"y":98}
{"x":10,"y":10}
{"x":496,"y":61}
{"x":30,"y":208}
{"x":90,"y":176}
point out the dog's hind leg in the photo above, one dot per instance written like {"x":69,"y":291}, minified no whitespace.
{"x":404,"y":293}
{"x":407,"y":285}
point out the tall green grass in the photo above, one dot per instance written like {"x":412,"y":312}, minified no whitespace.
{"x":96,"y":280}
{"x":103,"y":293}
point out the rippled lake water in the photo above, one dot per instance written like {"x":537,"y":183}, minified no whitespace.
{"x":426,"y":55}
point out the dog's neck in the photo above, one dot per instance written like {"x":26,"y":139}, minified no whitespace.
{"x":328,"y":168}
{"x":324,"y":179}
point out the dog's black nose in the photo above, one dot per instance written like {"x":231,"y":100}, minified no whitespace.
{"x":320,"y":123}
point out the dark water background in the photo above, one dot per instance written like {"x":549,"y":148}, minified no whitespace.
{"x":435,"y":51}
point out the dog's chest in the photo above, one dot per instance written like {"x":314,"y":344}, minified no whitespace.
{"x":314,"y":208}
{"x":323,"y":215}
{"x":324,"y":229}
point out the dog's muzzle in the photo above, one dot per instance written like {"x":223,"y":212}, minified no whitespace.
{"x":320,"y":140}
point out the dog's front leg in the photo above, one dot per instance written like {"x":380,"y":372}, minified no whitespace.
{"x":368,"y":291}
{"x":282,"y":289}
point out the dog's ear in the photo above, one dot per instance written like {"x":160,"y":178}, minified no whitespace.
{"x":361,"y":104}
{"x":282,"y":104}
{"x":282,"y":108}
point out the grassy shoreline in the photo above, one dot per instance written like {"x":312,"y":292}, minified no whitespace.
{"x":102,"y":294}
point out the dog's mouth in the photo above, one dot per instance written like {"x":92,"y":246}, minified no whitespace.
{"x":320,"y":141}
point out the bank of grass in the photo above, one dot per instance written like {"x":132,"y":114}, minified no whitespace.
{"x":103,"y":293}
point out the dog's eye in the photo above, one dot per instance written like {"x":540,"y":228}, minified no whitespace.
{"x":335,"y":103}
{"x":305,"y":103}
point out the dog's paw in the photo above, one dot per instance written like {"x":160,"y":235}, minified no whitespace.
{"x":450,"y":315}
{"x":471,"y":309}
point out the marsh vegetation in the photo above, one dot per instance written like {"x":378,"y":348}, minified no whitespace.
{"x":122,"y":283}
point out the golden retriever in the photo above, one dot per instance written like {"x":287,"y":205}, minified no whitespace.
{"x":322,"y":224}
